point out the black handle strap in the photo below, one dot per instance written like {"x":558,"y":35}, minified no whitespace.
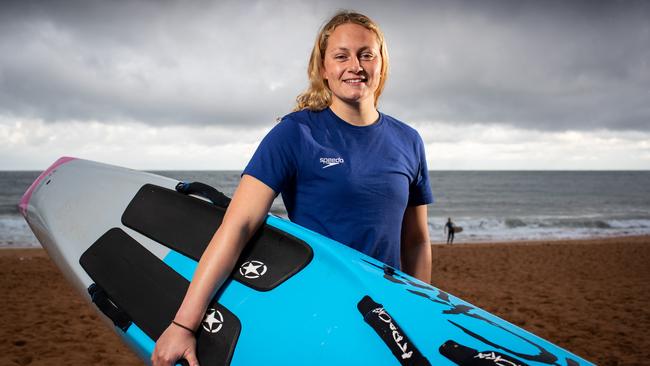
{"x":112,"y":311}
{"x":203,"y":190}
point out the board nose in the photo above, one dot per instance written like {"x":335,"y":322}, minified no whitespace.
{"x":24,"y":201}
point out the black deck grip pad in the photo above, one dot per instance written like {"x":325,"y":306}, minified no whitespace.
{"x":186,"y":224}
{"x":465,"y":356}
{"x":150,"y":293}
{"x":390,"y":332}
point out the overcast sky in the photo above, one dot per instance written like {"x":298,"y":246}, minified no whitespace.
{"x":196,"y":84}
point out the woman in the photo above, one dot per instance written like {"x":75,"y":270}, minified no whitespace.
{"x":343,"y":169}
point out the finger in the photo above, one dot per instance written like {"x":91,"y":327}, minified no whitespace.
{"x":190,"y":356}
{"x":162,"y":361}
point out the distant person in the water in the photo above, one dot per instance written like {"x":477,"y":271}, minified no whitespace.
{"x":450,"y":229}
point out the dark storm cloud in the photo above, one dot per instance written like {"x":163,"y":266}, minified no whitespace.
{"x":155,"y":62}
{"x":549,"y":65}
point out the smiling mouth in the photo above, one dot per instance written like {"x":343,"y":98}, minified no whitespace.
{"x":355,"y":81}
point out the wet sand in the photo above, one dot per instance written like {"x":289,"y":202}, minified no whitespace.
{"x":589,"y":296}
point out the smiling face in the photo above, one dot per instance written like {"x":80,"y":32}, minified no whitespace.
{"x":352,"y":65}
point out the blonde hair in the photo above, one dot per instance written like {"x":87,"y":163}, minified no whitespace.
{"x":318,"y":95}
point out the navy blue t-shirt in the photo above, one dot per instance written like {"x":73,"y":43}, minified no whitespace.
{"x":349,"y":183}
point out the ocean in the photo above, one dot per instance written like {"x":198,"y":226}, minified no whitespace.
{"x":489,"y":205}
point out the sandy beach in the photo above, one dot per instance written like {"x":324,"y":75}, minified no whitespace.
{"x":588,"y":296}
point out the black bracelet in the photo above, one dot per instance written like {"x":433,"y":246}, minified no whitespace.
{"x":182,"y":326}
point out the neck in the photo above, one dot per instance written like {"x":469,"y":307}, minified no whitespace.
{"x":361,"y":114}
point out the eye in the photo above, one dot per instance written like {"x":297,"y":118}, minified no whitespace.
{"x":367,"y":56}
{"x":340,"y":57}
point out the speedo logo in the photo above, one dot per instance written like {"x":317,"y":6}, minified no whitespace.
{"x":329,"y":162}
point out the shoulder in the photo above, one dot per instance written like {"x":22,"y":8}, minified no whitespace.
{"x":296,"y":117}
{"x":401,"y":129}
{"x":288,"y":126}
{"x":293,"y":129}
{"x":303,"y":123}
{"x":295,"y":121}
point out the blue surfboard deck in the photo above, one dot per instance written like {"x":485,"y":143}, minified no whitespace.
{"x":342,"y":307}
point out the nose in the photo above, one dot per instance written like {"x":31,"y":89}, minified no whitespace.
{"x":355,"y":65}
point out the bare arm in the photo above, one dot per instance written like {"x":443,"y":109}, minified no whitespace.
{"x":416,"y":246}
{"x":247,"y":210}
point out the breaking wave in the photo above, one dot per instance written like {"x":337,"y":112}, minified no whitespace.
{"x":535,"y":228}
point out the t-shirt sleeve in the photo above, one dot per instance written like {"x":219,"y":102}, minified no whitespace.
{"x":275,"y":160}
{"x":420,"y":188}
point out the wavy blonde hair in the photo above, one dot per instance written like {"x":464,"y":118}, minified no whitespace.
{"x":318,"y":95}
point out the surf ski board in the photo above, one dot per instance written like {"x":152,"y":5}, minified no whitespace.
{"x":130,"y":242}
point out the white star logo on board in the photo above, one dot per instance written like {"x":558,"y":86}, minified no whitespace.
{"x":213,"y":321}
{"x":253,"y":269}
